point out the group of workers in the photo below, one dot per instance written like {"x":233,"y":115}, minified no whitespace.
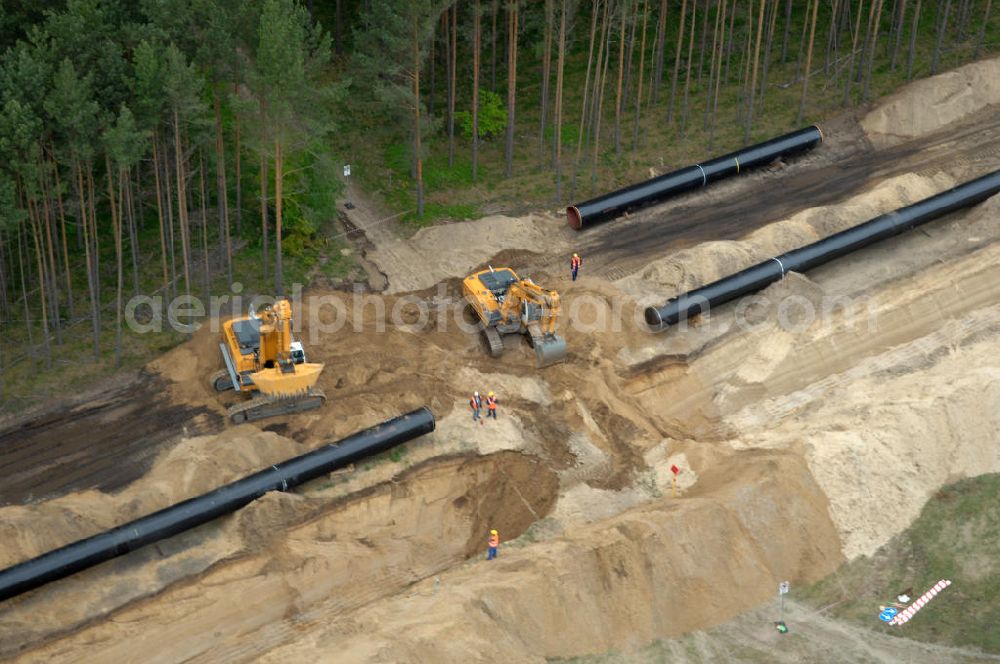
{"x":476,"y":404}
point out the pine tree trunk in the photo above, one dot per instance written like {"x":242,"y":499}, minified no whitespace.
{"x":642,"y":71}
{"x":809,"y":54}
{"x":850,"y":59}
{"x":601,"y":85}
{"x":511,"y":83}
{"x":65,"y":240}
{"x":475,"y":89}
{"x":279,"y":177}
{"x":942,"y":30}
{"x":704,"y":39}
{"x":718,"y":75}
{"x":493,"y":47}
{"x":85,"y":224}
{"x":729,"y":41}
{"x":416,"y":119}
{"x":772,"y":24}
{"x":36,"y":232}
{"x":182,"y":211}
{"x":913,"y":42}
{"x":982,"y":29}
{"x":171,"y":244}
{"x":116,"y":226}
{"x":866,"y":89}
{"x":94,"y":236}
{"x":677,"y":62}
{"x":661,"y":40}
{"x":899,"y":36}
{"x":5,"y":313}
{"x":687,"y":77}
{"x":133,"y":235}
{"x":711,"y":63}
{"x":633,"y":23}
{"x":559,"y":100}
{"x":24,"y":298}
{"x":239,"y":181}
{"x":51,"y":270}
{"x":788,"y":28}
{"x":225,"y":242}
{"x":546,"y":66}
{"x":594,"y":6}
{"x":159,"y":215}
{"x":452,"y":66}
{"x":618,"y":87}
{"x":752,"y":91}
{"x":207,"y":266}
{"x":265,"y":240}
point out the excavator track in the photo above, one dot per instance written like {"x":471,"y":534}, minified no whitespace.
{"x":494,"y":342}
{"x":263,"y":406}
{"x":221,"y":381}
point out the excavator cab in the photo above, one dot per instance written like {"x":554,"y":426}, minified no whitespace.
{"x":507,"y":304}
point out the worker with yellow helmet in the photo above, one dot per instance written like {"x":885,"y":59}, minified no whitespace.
{"x":491,"y":405}
{"x":494,"y":543}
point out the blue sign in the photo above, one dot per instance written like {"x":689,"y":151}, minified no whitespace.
{"x":888,"y":613}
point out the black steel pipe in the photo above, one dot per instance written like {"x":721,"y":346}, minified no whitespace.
{"x":812,"y":255}
{"x":615,"y":203}
{"x":75,"y":557}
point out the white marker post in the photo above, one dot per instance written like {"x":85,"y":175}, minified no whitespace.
{"x":347,"y":174}
{"x":782,"y":591}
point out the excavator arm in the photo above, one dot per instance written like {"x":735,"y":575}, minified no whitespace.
{"x":526,"y":292}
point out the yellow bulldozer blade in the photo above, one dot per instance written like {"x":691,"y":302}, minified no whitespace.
{"x":275,"y":383}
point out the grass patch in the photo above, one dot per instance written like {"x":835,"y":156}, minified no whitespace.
{"x":955,"y":537}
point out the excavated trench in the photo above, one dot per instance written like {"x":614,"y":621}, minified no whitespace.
{"x":346,"y":551}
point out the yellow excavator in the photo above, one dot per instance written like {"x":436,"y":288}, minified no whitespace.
{"x":507,"y":304}
{"x":266,"y":364}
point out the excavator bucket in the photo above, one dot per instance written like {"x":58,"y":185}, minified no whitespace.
{"x":273,"y":382}
{"x":550,"y":349}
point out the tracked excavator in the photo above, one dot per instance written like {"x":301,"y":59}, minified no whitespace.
{"x":264,"y":362}
{"x":507,"y":304}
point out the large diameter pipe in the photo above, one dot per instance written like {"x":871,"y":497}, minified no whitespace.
{"x":611,"y":205}
{"x":78,"y":556}
{"x":812,"y":255}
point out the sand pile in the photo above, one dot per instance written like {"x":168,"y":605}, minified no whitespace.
{"x":930,"y":104}
{"x":454,"y":250}
{"x":709,"y":261}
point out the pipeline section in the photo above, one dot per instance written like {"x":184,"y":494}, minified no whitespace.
{"x":812,"y":255}
{"x":78,"y":556}
{"x":610,"y":205}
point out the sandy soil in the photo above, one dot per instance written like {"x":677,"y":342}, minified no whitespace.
{"x":800,"y":444}
{"x":930,"y":104}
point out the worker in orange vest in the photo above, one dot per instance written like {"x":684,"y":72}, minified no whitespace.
{"x":574,"y":265}
{"x":491,"y":405}
{"x":476,"y":403}
{"x":494,"y":543}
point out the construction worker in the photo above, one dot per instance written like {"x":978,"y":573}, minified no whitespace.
{"x":491,"y":405}
{"x":494,"y":543}
{"x":476,"y":403}
{"x":574,"y":265}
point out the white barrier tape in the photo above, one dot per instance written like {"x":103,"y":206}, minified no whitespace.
{"x":704,"y":180}
{"x":920,"y":603}
{"x":781,"y":266}
{"x":737,"y":160}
